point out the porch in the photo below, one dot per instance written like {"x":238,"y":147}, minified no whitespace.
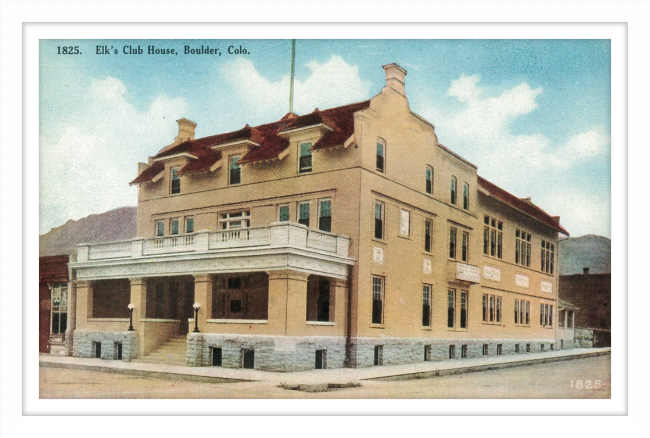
{"x":281,"y":281}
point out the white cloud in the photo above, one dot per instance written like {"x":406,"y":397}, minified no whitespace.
{"x":330,"y":84}
{"x":464,"y":88}
{"x":87,"y":163}
{"x":527,"y":164}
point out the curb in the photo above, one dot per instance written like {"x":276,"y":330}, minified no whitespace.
{"x":144,"y":373}
{"x":479,"y":368}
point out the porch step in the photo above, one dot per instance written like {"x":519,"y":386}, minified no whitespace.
{"x":171,"y":352}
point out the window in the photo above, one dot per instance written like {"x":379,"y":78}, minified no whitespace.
{"x":516,"y":348}
{"x":499,"y":349}
{"x":454,"y":184}
{"x":377,"y":300}
{"x":59,"y":303}
{"x":546,"y":315}
{"x":465,"y":247}
{"x":117,"y":351}
{"x":248,"y":358}
{"x":325,"y":215}
{"x":463,"y":351}
{"x":429,"y":180}
{"x":428,"y":234}
{"x":492,"y":237}
{"x":189,"y":224}
{"x":466,"y":196}
{"x":452,"y":352}
{"x":235,"y":170}
{"x":160,"y":228}
{"x":379,"y":220}
{"x":463,"y":309}
{"x":303,"y":213}
{"x":522,"y":312}
{"x":451,"y":307}
{"x":235,"y":220}
{"x":321,"y":359}
{"x":381,"y":153}
{"x":522,"y":248}
{"x":426,"y":305}
{"x":379,"y":355}
{"x":283,"y":213}
{"x":305,"y":158}
{"x":548,"y":256}
{"x":405,"y":223}
{"x":97,"y":350}
{"x":492,"y":308}
{"x":542,"y":347}
{"x":427,"y":353}
{"x":452,"y":242}
{"x":485,"y":350}
{"x":527,"y":348}
{"x":174,"y":225}
{"x":216,"y":357}
{"x":176,"y":180}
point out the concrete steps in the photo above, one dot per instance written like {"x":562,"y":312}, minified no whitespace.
{"x":171,"y":352}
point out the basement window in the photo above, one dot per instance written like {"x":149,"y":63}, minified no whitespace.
{"x":117,"y":351}
{"x":463,"y":351}
{"x":216,"y":357}
{"x":452,"y":352}
{"x":379,"y":355}
{"x":427,"y":353}
{"x":321,"y":359}
{"x":97,"y":350}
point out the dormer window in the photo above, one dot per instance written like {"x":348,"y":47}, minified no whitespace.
{"x":176,"y":180}
{"x":305,"y":158}
{"x":235,"y":170}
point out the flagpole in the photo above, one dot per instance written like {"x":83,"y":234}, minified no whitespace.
{"x":293,"y":63}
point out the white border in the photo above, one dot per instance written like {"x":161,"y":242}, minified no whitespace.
{"x":635,"y":14}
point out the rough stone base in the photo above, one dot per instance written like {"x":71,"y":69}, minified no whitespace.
{"x":584,"y":338}
{"x":272,"y":353}
{"x":83,"y":344}
{"x":398,"y":351}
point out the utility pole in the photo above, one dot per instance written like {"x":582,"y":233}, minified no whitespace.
{"x":293,"y":64}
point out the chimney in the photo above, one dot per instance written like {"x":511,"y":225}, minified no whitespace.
{"x":395,"y":77}
{"x":185,"y":130}
{"x":585,"y":271}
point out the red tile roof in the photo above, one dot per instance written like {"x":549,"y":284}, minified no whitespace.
{"x":149,"y":173}
{"x":340,"y":119}
{"x":526,"y":207}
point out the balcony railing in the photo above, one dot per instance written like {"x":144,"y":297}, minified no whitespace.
{"x":279,"y":234}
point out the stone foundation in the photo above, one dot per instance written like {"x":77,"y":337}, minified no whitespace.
{"x":85,"y":341}
{"x":398,"y":351}
{"x":289,"y":354}
{"x":272,"y":353}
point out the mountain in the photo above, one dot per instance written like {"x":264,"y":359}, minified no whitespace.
{"x":113,"y":225}
{"x":590,"y":251}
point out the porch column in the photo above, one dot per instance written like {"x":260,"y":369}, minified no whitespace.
{"x":340,"y":302}
{"x":287,"y":302}
{"x":139,"y":301}
{"x":566,"y":318}
{"x":573,"y":319}
{"x":84,"y":304}
{"x":203,"y":296}
{"x":72,"y":317}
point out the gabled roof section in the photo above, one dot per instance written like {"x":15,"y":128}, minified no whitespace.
{"x":149,"y":173}
{"x":264,"y":141}
{"x":524,"y":206}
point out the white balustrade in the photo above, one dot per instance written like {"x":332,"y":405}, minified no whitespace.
{"x":321,"y":241}
{"x":165,"y":245}
{"x":278,"y":234}
{"x":109,"y":250}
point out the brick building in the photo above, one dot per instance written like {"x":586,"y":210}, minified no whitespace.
{"x":344,"y":237}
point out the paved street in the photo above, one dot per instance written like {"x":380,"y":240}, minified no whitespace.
{"x":580,"y":378}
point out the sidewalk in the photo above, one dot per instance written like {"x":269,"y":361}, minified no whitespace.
{"x":319,"y":377}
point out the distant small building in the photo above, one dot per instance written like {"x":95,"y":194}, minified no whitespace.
{"x":591,"y":293}
{"x":53,"y":304}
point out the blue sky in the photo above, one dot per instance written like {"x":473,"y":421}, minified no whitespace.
{"x":533,"y":115}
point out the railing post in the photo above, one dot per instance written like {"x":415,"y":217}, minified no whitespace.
{"x":137,"y":248}
{"x":279,"y":234}
{"x":202,"y":240}
{"x":342,"y":246}
{"x":82,"y":253}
